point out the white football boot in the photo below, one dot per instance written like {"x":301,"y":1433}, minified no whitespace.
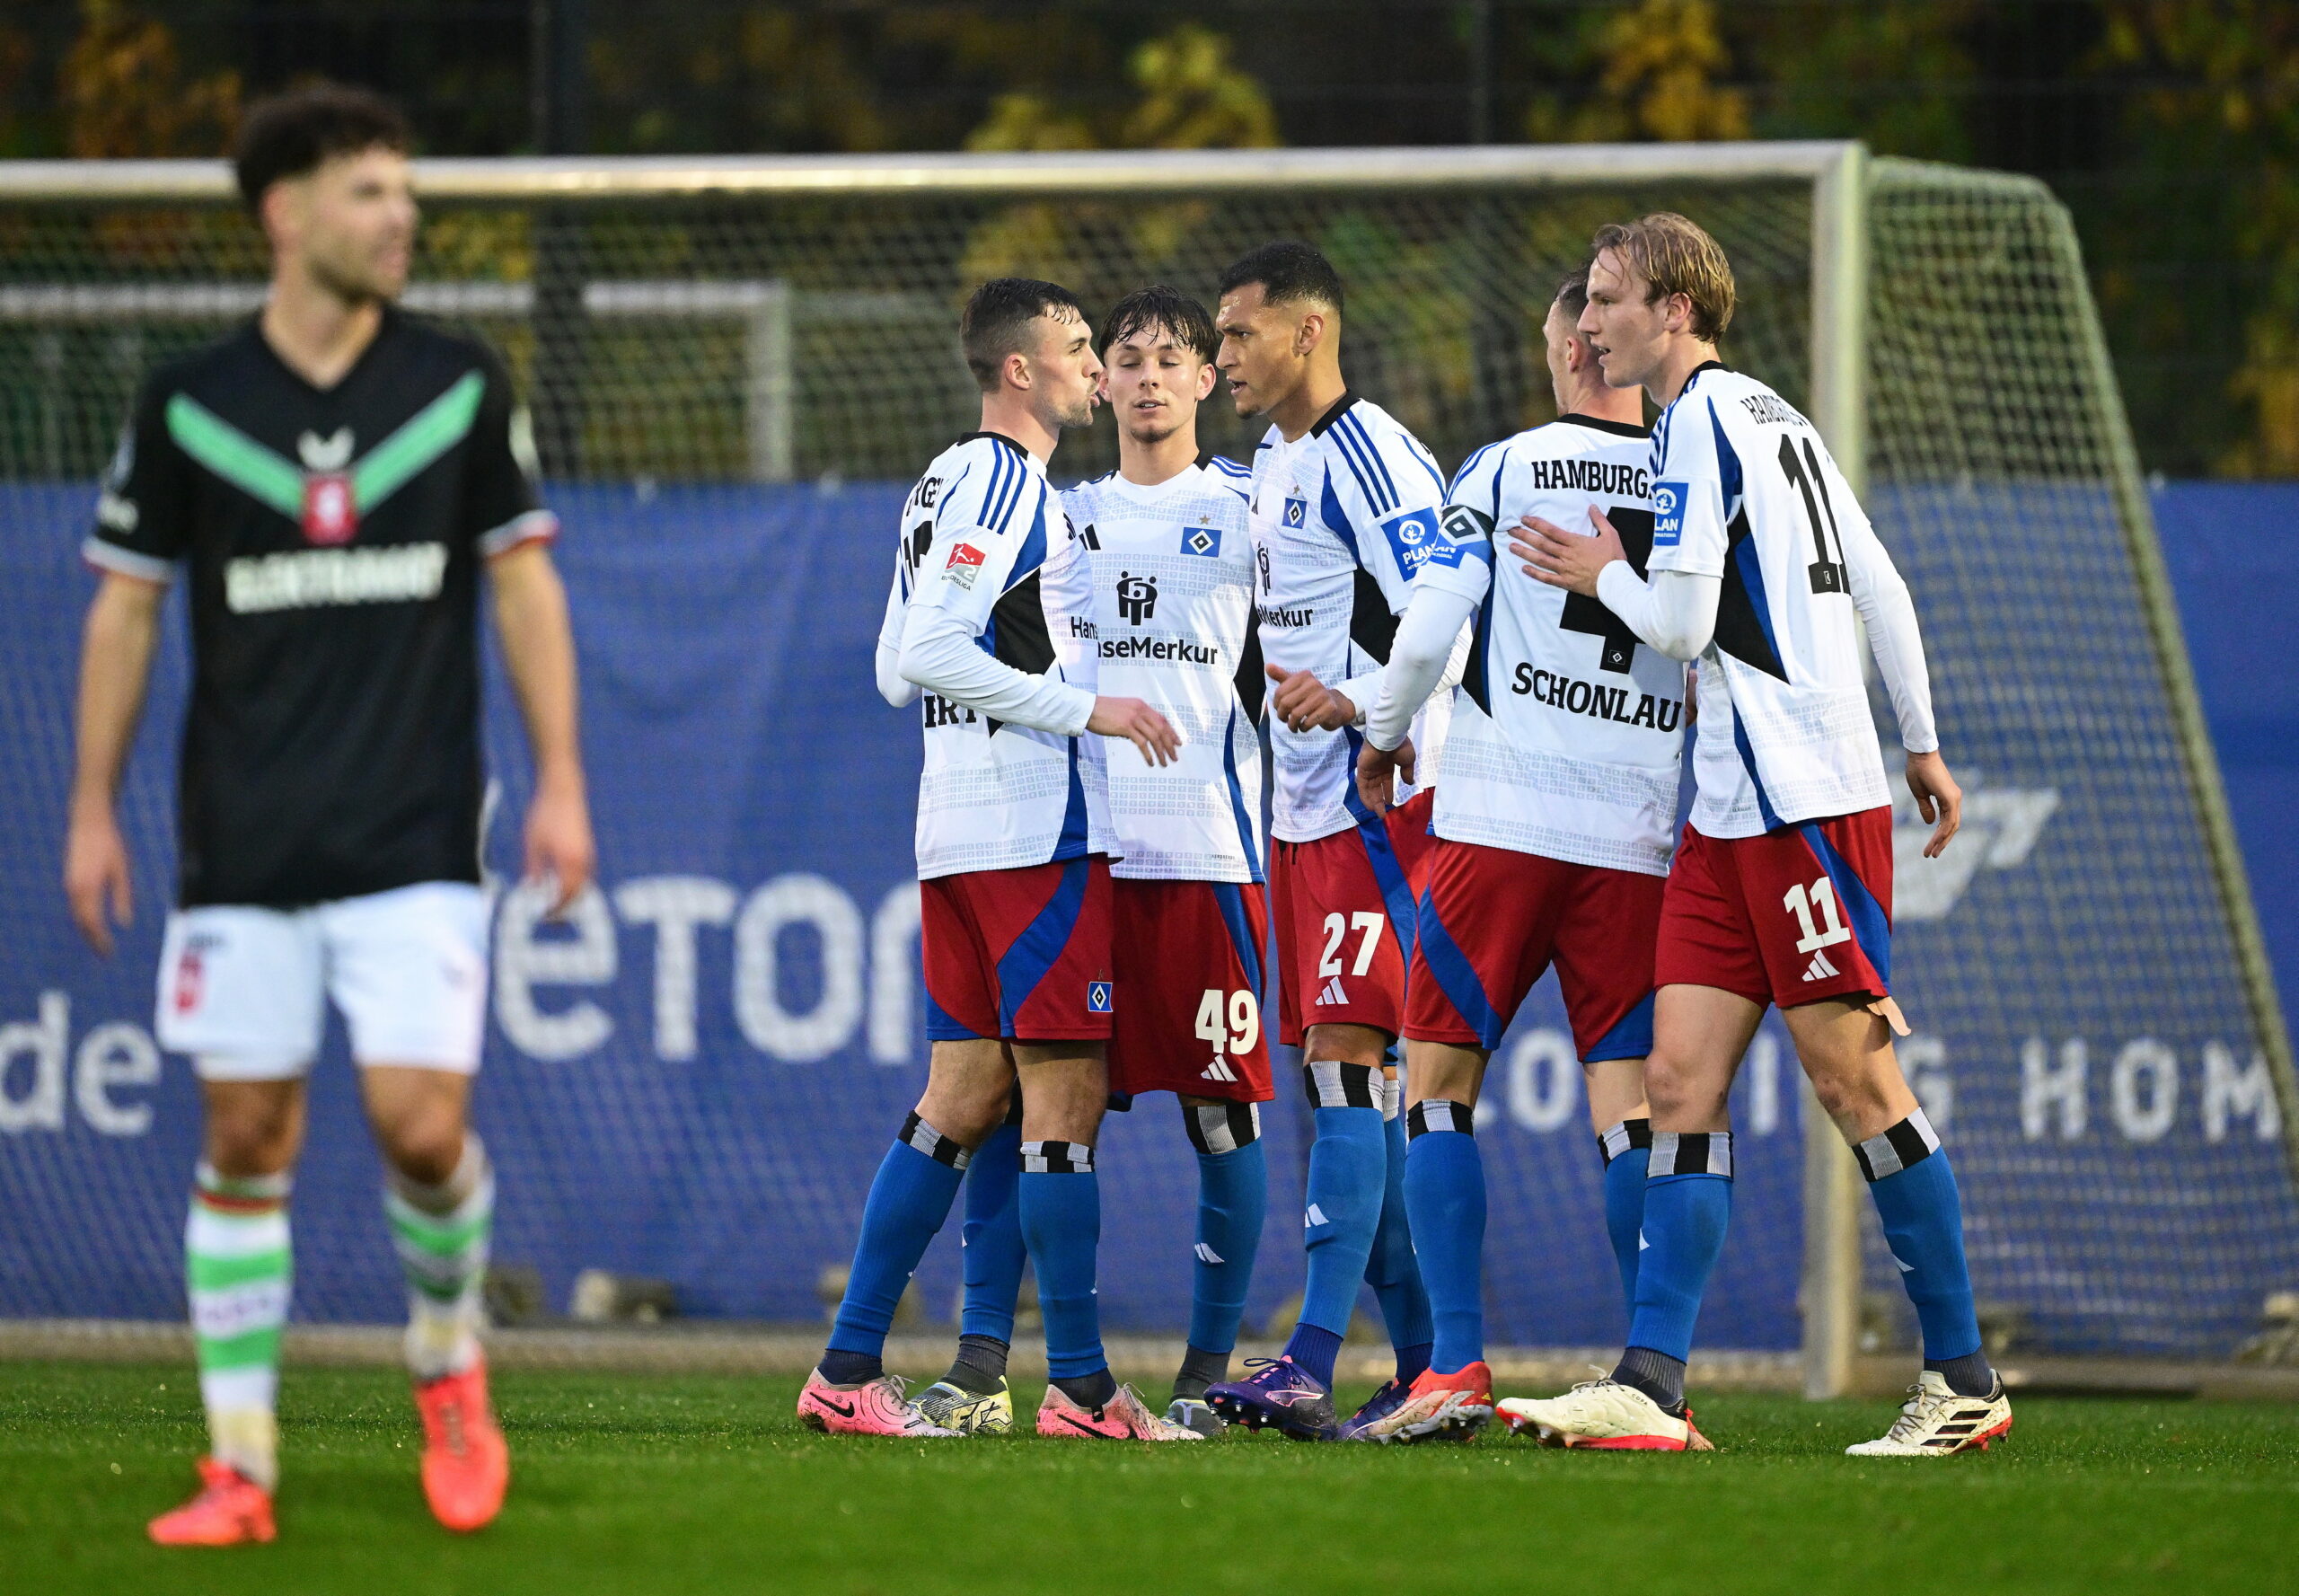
{"x":1606,"y":1416}
{"x":1936,"y":1422}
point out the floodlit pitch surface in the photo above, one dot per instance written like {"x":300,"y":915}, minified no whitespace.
{"x":643,"y":1484}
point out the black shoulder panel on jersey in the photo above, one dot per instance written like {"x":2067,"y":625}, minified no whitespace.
{"x":1371,"y":627}
{"x":1740,"y":613}
{"x":1253,"y":680}
{"x":1018,"y":631}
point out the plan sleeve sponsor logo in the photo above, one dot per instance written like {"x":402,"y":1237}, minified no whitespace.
{"x":1668,"y":513}
{"x":1416,"y":541}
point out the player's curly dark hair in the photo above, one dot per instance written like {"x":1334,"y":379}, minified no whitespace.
{"x":997,"y":321}
{"x":292,"y":133}
{"x":1160,"y":308}
{"x":1288,"y":271}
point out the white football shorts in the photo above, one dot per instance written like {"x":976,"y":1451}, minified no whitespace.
{"x":244,"y":989}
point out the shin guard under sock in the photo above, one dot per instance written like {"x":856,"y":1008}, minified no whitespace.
{"x":909,"y":1197}
{"x":1687,"y":1206}
{"x":1914,"y":1193}
{"x":1444,"y":1189}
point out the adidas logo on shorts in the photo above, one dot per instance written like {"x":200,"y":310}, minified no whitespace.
{"x":1332,"y":993}
{"x":1819,"y":969}
{"x":1218,"y":1070}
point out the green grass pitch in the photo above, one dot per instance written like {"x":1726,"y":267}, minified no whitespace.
{"x":634,"y":1485}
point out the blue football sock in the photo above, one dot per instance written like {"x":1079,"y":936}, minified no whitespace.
{"x":1687,"y":1205}
{"x":1914,"y":1193}
{"x":1625,"y":1147}
{"x":1392,"y":1270}
{"x":1060,"y":1202}
{"x":908,"y":1199}
{"x":1444,"y":1188}
{"x":993,"y":1237}
{"x":1348,"y":1175}
{"x":1315,"y":1350}
{"x":1232,"y":1201}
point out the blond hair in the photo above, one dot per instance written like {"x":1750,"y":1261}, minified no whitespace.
{"x":1675,"y":255}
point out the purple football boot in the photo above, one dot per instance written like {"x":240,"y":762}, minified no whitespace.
{"x":1280,"y":1393}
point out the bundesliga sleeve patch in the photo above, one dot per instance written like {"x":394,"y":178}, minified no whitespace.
{"x":964,"y":564}
{"x":1416,"y":540}
{"x":1668,"y":513}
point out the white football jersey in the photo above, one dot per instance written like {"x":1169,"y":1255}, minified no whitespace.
{"x":1568,"y":736}
{"x":1151,"y":596}
{"x":1743,"y":489}
{"x":1342,"y":517}
{"x":974,"y":535}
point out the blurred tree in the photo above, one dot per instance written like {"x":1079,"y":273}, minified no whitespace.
{"x":2218,"y":93}
{"x":125,"y":93}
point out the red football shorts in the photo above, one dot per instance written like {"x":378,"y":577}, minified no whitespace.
{"x":1189,"y":960}
{"x":1492,"y":919}
{"x":1793,"y":916}
{"x":1344,"y":912}
{"x":1021,"y":953}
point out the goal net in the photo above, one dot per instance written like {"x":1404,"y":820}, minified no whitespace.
{"x":735,"y":368}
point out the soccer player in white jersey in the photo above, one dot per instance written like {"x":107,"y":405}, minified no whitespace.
{"x":1157,"y":584}
{"x":1765,"y":568}
{"x":1554,"y":824}
{"x":338,"y":482}
{"x":1015,"y":929}
{"x":1344,"y":512}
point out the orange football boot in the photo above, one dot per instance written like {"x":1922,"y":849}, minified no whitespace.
{"x":466,"y":1466}
{"x":230,"y":1509}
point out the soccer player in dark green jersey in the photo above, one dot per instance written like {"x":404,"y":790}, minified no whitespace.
{"x":329,"y":479}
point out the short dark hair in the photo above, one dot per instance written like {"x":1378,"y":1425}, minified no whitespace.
{"x":292,"y":134}
{"x":997,"y":321}
{"x":1159,"y":308}
{"x":1572,"y":292}
{"x":1288,"y":271}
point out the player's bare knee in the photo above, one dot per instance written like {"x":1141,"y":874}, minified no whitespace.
{"x":1357,"y":1044}
{"x":253,"y":1128}
{"x":423,"y":1142}
{"x":1681,"y":1092}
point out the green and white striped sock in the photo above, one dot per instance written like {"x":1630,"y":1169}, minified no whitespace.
{"x":239,"y":1265}
{"x":442,"y":1234}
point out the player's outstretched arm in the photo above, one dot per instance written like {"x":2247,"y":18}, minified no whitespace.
{"x":539,"y":648}
{"x":115,"y":665}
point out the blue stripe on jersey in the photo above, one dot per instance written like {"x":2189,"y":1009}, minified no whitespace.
{"x":1457,"y":978}
{"x":1870,"y":925}
{"x":1764,"y":811}
{"x":1072,"y":845}
{"x":942,"y":1026}
{"x":1373,"y":453}
{"x":993,"y":492}
{"x":1017,"y":476}
{"x":1728,"y":466}
{"x":1337,"y":520}
{"x":1351,"y":443}
{"x":1232,"y":899}
{"x":1238,"y":790}
{"x":1040,"y":946}
{"x":1033,"y":554}
{"x":1469,"y":465}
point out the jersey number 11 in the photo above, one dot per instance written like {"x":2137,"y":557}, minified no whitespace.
{"x":1827,"y":575}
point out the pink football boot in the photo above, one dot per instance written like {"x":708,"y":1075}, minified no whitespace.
{"x":1124,"y":1417}
{"x":874,"y":1408}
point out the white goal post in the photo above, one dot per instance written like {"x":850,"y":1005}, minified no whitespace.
{"x":1912,"y":279}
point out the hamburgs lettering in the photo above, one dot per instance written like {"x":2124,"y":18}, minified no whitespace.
{"x":1604,"y":478}
{"x":1622,"y":704}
